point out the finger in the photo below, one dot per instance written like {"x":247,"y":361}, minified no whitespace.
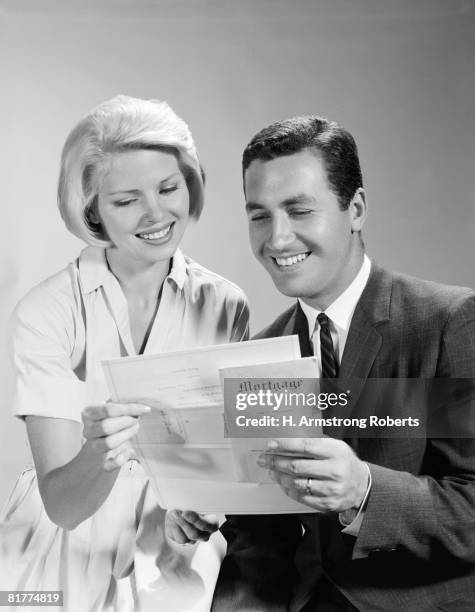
{"x":319,"y":448}
{"x":291,"y":465}
{"x":307,"y":487}
{"x":203,"y":522}
{"x":114,"y":440}
{"x":177,"y":535}
{"x":302,"y":486}
{"x":118,"y":449}
{"x":111,"y":409}
{"x":108,"y":426}
{"x":118,"y":460}
{"x":191,"y":532}
{"x":324,"y":493}
{"x":173,"y":531}
{"x":316,"y":503}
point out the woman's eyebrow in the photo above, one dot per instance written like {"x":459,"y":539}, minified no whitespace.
{"x":134,"y":191}
{"x":137,"y":191}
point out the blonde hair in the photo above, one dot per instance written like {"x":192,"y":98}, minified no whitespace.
{"x":122,"y":123}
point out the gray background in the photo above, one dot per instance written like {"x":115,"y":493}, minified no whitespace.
{"x":398,"y":73}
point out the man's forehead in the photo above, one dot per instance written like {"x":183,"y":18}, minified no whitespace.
{"x":290,"y":176}
{"x":300,"y":162}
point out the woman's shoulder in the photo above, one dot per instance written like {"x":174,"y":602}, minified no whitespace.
{"x":54,"y":299}
{"x":200,"y":278}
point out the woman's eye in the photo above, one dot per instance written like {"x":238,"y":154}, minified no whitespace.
{"x":258,"y":217}
{"x":168,"y":189}
{"x":124,"y":202}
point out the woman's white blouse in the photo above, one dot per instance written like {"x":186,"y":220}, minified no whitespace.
{"x":60,"y":333}
{"x":65,"y":326}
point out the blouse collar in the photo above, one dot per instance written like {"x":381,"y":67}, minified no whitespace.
{"x":94,"y":271}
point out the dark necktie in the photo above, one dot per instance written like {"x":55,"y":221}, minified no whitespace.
{"x":329,"y":361}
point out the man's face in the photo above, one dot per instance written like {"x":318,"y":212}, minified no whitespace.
{"x":297,"y":229}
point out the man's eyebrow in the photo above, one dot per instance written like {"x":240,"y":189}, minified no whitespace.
{"x":250,"y":206}
{"x":301,"y":198}
{"x":137,"y":191}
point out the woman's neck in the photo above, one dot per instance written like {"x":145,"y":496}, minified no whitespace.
{"x":138,"y":279}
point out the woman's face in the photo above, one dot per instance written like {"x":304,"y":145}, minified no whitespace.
{"x":143,"y":205}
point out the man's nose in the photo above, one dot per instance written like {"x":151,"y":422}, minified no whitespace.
{"x":282,"y":233}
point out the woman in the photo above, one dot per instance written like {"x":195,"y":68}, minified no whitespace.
{"x":85,"y":518}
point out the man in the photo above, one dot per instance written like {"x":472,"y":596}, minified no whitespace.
{"x":395,"y":528}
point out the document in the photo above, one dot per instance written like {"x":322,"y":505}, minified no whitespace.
{"x":181,"y":443}
{"x":285,"y":389}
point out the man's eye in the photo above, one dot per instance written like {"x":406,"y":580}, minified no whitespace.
{"x":258,"y":217}
{"x":299,"y":212}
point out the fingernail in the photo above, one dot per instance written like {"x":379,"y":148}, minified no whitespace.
{"x":272,"y":444}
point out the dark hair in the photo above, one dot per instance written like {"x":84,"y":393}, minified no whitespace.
{"x":336,"y":146}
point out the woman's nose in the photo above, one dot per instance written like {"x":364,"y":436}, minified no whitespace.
{"x":153,"y":207}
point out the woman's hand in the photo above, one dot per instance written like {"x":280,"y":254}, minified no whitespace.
{"x":188,"y":527}
{"x":108,"y":429}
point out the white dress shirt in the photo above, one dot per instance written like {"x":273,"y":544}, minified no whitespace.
{"x":340,"y":313}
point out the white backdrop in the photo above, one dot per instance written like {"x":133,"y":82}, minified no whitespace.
{"x":397,"y":73}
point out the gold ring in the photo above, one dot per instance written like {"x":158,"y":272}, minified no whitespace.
{"x":308,"y":490}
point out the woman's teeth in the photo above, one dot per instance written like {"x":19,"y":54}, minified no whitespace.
{"x":155,"y":235}
{"x":290,"y":261}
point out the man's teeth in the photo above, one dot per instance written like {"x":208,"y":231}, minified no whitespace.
{"x":290,"y":261}
{"x":156,"y":235}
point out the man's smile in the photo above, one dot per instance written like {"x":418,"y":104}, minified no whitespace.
{"x":289,"y":261}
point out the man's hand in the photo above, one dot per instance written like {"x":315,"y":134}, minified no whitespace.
{"x":322,"y":473}
{"x":187,"y":527}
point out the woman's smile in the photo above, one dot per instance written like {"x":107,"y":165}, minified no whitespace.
{"x":156,"y":236}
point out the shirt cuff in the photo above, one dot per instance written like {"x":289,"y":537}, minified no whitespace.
{"x":353,"y":528}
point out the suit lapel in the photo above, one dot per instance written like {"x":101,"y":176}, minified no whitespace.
{"x":364,"y":341}
{"x":297,"y":324}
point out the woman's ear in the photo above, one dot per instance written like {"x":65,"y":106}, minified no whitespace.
{"x":91,"y":213}
{"x":94,"y":221}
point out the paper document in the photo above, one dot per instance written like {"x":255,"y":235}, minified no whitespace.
{"x":181,"y":443}
{"x":286,"y":382}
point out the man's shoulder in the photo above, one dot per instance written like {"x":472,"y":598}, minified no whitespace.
{"x":426,"y":295}
{"x":423,"y":287}
{"x":279,"y":325}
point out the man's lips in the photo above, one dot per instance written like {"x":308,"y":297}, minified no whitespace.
{"x":286,"y":261}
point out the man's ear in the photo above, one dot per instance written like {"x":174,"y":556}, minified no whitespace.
{"x":358,"y":210}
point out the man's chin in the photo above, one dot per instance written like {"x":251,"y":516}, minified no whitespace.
{"x":290,"y":289}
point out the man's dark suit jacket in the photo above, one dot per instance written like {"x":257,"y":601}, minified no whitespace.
{"x":415,"y":550}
